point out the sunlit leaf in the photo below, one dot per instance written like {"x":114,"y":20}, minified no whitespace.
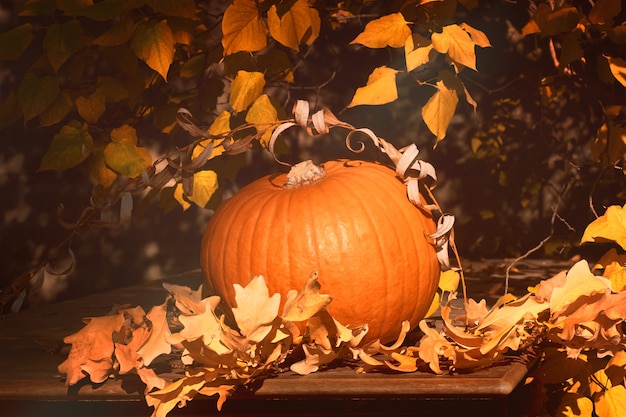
{"x":154,"y":44}
{"x":457,"y":43}
{"x":71,"y":146}
{"x":449,"y":280}
{"x":611,"y":226}
{"x":390,"y":30}
{"x":178,"y":8}
{"x":380,"y":88}
{"x":612,"y":402}
{"x":417,"y":51}
{"x":245,"y":89}
{"x":156,"y":342}
{"x":179,"y":196}
{"x":302,"y":305}
{"x":255,"y":310}
{"x":580,"y":282}
{"x":478,"y":37}
{"x":618,"y":69}
{"x":439,"y":109}
{"x":204,"y":185}
{"x":15,"y":41}
{"x":91,"y":107}
{"x":575,"y":405}
{"x":123,"y":155}
{"x":300,"y":24}
{"x":262,"y":113}
{"x":62,"y":41}
{"x":242,"y":28}
{"x":35,"y":94}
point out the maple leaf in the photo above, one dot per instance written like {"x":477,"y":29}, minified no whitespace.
{"x":255,"y":310}
{"x":92,"y":349}
{"x":611,"y":226}
{"x":302,"y":305}
{"x":390,"y":30}
{"x":202,"y":325}
{"x":242,"y":28}
{"x":126,"y":354}
{"x":380,"y":88}
{"x":187,"y":300}
{"x":300,"y":24}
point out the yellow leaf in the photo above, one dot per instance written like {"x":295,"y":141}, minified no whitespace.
{"x":154,"y":44}
{"x":179,"y":195}
{"x":439,"y":109}
{"x":15,"y":41}
{"x":61,"y":41}
{"x":71,"y":146}
{"x":618,"y":69}
{"x":616,"y":273}
{"x":300,"y":24}
{"x":100,"y":172}
{"x":478,"y":37}
{"x":302,"y":305}
{"x":35,"y":95}
{"x":580,"y":282}
{"x":219,"y":126}
{"x":245,"y":89}
{"x":575,"y":405}
{"x":390,"y":30}
{"x":262,"y":113}
{"x":91,"y":107}
{"x":449,"y":280}
{"x":123,"y":155}
{"x":380,"y":88}
{"x":204,"y":185}
{"x":242,"y":28}
{"x":434,"y":305}
{"x":457,"y":43}
{"x":417,"y":51}
{"x":255,"y":310}
{"x":611,"y":226}
{"x":612,"y":403}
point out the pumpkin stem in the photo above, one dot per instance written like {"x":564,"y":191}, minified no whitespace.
{"x":304,"y":173}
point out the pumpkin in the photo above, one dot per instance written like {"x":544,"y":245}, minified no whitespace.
{"x":350,"y":221}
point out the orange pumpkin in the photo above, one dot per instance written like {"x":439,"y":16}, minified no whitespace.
{"x":354,"y":225}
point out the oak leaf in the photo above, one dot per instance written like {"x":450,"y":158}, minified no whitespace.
{"x":202,"y":325}
{"x":611,"y":226}
{"x":575,"y":405}
{"x":255,"y":310}
{"x":242,"y":28}
{"x":188,"y":301}
{"x":156,"y":343}
{"x":432,"y":346}
{"x":580,"y":282}
{"x":302,"y":305}
{"x":380,"y":88}
{"x":390,"y":30}
{"x":300,"y":24}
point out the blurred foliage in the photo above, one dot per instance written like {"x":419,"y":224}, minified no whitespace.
{"x":529,"y":96}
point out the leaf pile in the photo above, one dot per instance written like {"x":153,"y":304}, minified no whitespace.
{"x":186,"y":347}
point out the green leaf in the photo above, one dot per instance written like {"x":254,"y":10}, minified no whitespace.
{"x":204,"y":185}
{"x":380,"y":88}
{"x":14,"y":42}
{"x":439,"y":109}
{"x":62,"y":41}
{"x":91,"y":107}
{"x":300,"y":24}
{"x":123,"y":155}
{"x":457,"y":43}
{"x":57,"y":110}
{"x":178,"y":8}
{"x":391,"y":30}
{"x":245,"y":88}
{"x":261,"y":113}
{"x":35,"y":94}
{"x":154,"y":44}
{"x":242,"y":28}
{"x":71,"y":146}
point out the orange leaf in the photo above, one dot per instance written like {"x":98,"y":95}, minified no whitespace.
{"x":301,"y":306}
{"x":612,"y":403}
{"x":242,"y":28}
{"x":609,"y":227}
{"x":255,"y":310}
{"x":154,"y":44}
{"x":580,"y":282}
{"x":457,"y":43}
{"x":390,"y":30}
{"x":156,"y":342}
{"x":300,"y":24}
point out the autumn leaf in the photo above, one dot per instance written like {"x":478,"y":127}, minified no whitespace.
{"x":71,"y":146}
{"x":202,"y":325}
{"x":300,"y":24}
{"x":580,"y":282}
{"x":91,"y":107}
{"x":432,"y":345}
{"x":36,"y":94}
{"x":262,"y":113}
{"x":101,"y":11}
{"x":439,"y":109}
{"x":62,"y":41}
{"x":611,"y":226}
{"x":178,"y":8}
{"x":126,"y":354}
{"x":612,"y":402}
{"x":99,"y":170}
{"x":449,"y":280}
{"x":575,"y":405}
{"x":156,"y":342}
{"x":119,"y":34}
{"x":242,"y":28}
{"x":188,"y":301}
{"x":154,"y":43}
{"x":302,"y":305}
{"x":457,"y":44}
{"x":603,"y":12}
{"x":245,"y":89}
{"x":255,"y":310}
{"x":57,"y":111}
{"x":15,"y":41}
{"x":204,"y":185}
{"x":417,"y":51}
{"x":123,"y":155}
{"x":618,"y":69}
{"x":478,"y":37}
{"x":390,"y":30}
{"x":380,"y":88}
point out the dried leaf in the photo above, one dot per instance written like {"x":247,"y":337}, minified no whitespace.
{"x":156,"y":343}
{"x":255,"y":310}
{"x":580,"y":282}
{"x":301,"y":306}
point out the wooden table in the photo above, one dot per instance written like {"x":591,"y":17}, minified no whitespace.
{"x":30,"y":384}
